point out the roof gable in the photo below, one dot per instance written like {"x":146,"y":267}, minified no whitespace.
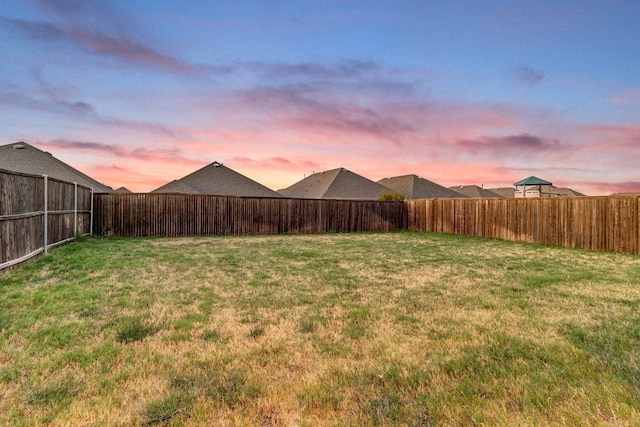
{"x":415,"y":187}
{"x":507,"y":192}
{"x":176,"y":186}
{"x":476,"y":192}
{"x":25,"y":158}
{"x":217,"y":179}
{"x":337,"y":183}
{"x":314,"y":186}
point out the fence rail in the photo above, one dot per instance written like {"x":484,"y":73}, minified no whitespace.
{"x":598,"y":223}
{"x":29,"y":225}
{"x":39,"y":212}
{"x":142,"y":215}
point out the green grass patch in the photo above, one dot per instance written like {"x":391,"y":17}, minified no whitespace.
{"x":134,"y":329}
{"x":374,"y":329}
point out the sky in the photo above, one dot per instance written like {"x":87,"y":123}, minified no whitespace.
{"x":138,"y":93}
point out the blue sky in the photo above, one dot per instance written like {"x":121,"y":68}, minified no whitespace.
{"x":139,"y":93}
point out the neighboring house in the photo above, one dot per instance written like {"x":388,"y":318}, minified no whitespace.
{"x":176,"y":186}
{"x":507,"y":192}
{"x":25,"y":158}
{"x":531,"y":187}
{"x":475,"y":192}
{"x":625,"y":194}
{"x":536,"y":187}
{"x":335,"y":184}
{"x":122,"y":190}
{"x":217,"y":179}
{"x":563,"y":192}
{"x":414,"y":187}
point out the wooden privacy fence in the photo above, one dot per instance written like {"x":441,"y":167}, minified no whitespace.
{"x":150,"y":214}
{"x":598,"y":223}
{"x":38,"y":212}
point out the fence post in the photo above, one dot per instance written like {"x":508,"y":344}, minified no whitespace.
{"x":46,"y":214}
{"x":91,"y":216}
{"x":75,"y":210}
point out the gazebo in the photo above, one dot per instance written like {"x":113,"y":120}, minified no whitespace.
{"x":531,"y":187}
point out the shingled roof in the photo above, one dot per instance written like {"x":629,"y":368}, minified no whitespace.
{"x":337,"y":183}
{"x":507,"y":192}
{"x":25,"y":158}
{"x":217,"y":179}
{"x":414,"y":187}
{"x":475,"y":192}
{"x":176,"y":186}
{"x":565,"y":192}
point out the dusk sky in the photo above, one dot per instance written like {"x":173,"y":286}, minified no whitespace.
{"x":138,"y":93}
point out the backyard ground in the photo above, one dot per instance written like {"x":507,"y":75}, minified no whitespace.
{"x":384,"y":329}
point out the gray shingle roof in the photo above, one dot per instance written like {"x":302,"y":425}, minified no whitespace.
{"x":475,"y":192}
{"x":25,"y":158}
{"x":176,"y":186}
{"x":565,"y":192}
{"x":507,"y":192}
{"x":414,"y":187}
{"x":217,"y":179}
{"x":337,"y":183}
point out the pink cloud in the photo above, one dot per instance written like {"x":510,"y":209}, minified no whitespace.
{"x":616,"y":187}
{"x":627,"y":97}
{"x":278,"y":135}
{"x":128,"y":50}
{"x":143,"y":154}
{"x":119,"y":47}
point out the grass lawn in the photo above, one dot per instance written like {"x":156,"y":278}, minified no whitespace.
{"x":388,"y":329}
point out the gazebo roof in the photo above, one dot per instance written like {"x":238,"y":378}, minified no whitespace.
{"x":533,"y":180}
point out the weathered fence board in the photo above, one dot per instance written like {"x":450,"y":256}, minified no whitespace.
{"x":139,"y":215}
{"x":598,"y":223}
{"x":37,"y":212}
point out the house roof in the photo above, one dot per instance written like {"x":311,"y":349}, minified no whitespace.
{"x":632,"y":193}
{"x":122,"y":190}
{"x":476,"y":192}
{"x":533,"y":180}
{"x":508,"y":192}
{"x":414,"y":187}
{"x":25,"y":158}
{"x":337,"y":183}
{"x":217,"y":179}
{"x":176,"y":186}
{"x":566,"y":192}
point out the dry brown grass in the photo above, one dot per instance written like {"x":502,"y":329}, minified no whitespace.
{"x":363,"y":329}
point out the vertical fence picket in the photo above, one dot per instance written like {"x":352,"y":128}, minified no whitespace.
{"x":597,"y":223}
{"x":38,"y":212}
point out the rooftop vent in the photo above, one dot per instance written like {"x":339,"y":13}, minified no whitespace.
{"x":19,"y":146}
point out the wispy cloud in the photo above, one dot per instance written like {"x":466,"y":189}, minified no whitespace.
{"x":526,"y":76}
{"x":145,"y":154}
{"x":98,"y":43}
{"x":80,"y":110}
{"x":48,"y":104}
{"x":614,"y":187}
{"x":129,"y":50}
{"x":627,"y":97}
{"x":311,"y":110}
{"x":340,"y":70}
{"x":523,"y":144}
